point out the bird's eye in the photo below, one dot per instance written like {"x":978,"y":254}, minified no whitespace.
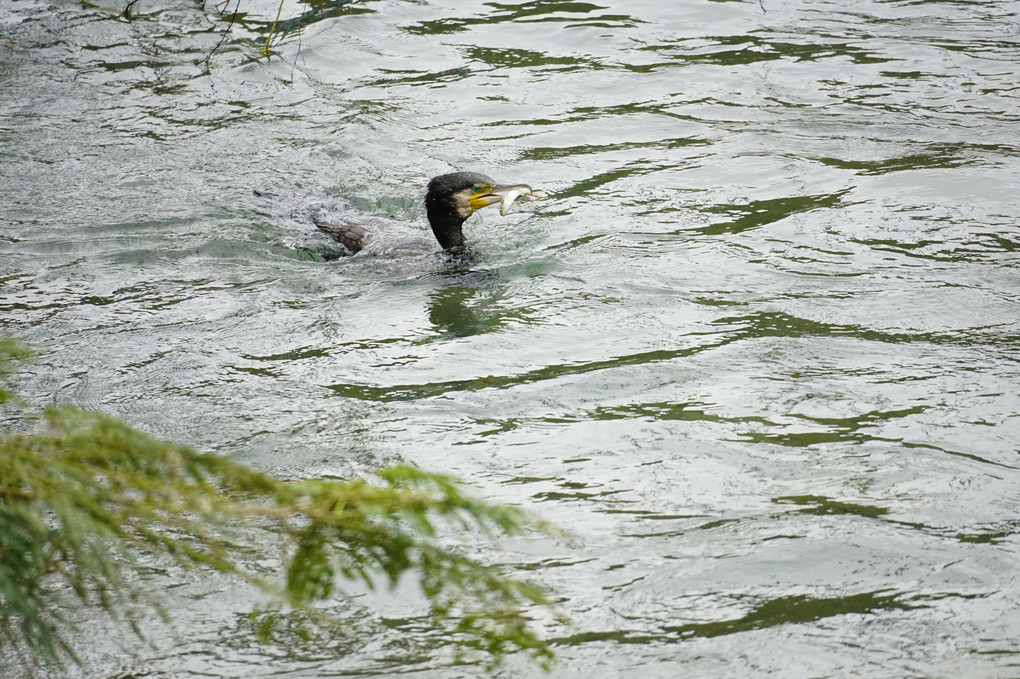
{"x":477,"y":188}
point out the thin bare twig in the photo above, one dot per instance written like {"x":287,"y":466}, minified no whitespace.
{"x":226,"y":32}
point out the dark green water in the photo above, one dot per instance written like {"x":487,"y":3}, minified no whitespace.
{"x":758,"y":349}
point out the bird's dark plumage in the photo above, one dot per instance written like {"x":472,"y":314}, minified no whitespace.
{"x":449,"y":200}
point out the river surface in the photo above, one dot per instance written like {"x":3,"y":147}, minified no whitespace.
{"x":757,"y":348}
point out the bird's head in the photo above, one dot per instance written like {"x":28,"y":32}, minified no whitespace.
{"x":452,"y":198}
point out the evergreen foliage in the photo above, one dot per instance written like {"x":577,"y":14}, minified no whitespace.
{"x":84,"y":499}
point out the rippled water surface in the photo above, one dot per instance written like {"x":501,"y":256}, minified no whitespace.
{"x":757,"y":348}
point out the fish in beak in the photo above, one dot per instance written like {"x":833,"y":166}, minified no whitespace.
{"x":505,"y":194}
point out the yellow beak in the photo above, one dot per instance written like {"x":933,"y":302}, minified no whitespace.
{"x":495,"y":194}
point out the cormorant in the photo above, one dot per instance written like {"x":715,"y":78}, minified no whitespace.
{"x":449,"y":200}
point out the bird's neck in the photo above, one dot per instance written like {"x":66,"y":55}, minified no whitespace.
{"x":446,"y":225}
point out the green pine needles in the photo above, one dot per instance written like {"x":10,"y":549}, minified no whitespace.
{"x":82,"y":501}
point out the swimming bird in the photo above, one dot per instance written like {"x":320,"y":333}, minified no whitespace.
{"x":449,"y":200}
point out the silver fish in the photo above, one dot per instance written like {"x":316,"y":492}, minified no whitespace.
{"x":511,"y":196}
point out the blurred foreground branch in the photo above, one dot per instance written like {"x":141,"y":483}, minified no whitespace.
{"x":85,"y":499}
